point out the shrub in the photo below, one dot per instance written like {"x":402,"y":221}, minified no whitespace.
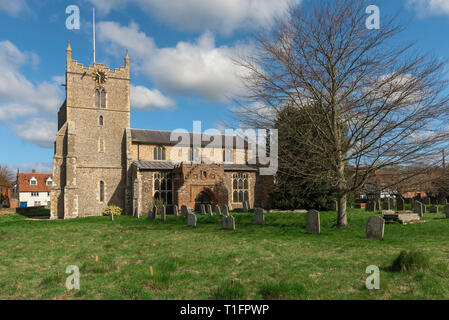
{"x":116,"y":211}
{"x":411,"y":261}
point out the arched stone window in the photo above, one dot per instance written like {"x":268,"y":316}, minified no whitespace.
{"x":101,"y":191}
{"x":240,"y":187}
{"x":163,"y":187}
{"x":100,"y":121}
{"x":100,"y":98}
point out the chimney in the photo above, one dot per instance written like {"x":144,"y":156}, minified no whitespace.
{"x":33,"y":171}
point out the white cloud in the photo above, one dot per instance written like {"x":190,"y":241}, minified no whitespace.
{"x":223,"y":16}
{"x":197,"y":67}
{"x":143,"y":98}
{"x":20,"y":99}
{"x":429,"y":7}
{"x":13,"y":7}
{"x":39,"y":131}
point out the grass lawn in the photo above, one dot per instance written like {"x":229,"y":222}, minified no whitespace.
{"x":276,"y":261}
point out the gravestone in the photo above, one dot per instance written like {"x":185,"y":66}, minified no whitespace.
{"x":418,"y":208}
{"x":259,"y":217}
{"x":191,"y":220}
{"x":433,"y":209}
{"x":424,"y":208}
{"x":245,"y":206}
{"x":164,"y":213}
{"x":217,"y":210}
{"x":446,"y":211}
{"x":228,"y":223}
{"x":225,"y":210}
{"x":184,"y":211}
{"x":375,"y":228}
{"x":386,"y":204}
{"x":313,"y":222}
{"x":111,"y":216}
{"x":371,"y":206}
{"x":175,"y":211}
{"x":203,"y":209}
{"x":401,"y":204}
{"x":209,"y":210}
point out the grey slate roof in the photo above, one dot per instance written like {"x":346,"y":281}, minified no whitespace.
{"x":163,"y":138}
{"x":166,"y":165}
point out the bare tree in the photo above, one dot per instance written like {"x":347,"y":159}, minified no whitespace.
{"x":6,"y":175}
{"x":379,"y":102}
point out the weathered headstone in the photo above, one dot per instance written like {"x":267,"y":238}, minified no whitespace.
{"x":225,"y":210}
{"x":175,"y":210}
{"x":433,"y":209}
{"x":313,"y":222}
{"x":163,"y":213}
{"x":203,"y":209}
{"x":111,"y":216}
{"x":418,"y":208}
{"x":228,"y":223}
{"x":375,"y":228}
{"x":371,"y":206}
{"x":184,"y":211}
{"x":259,"y":217}
{"x":401,"y":204}
{"x":191,"y":220}
{"x":217,"y":210}
{"x":209,"y":210}
{"x":424,"y":208}
{"x":446,"y":211}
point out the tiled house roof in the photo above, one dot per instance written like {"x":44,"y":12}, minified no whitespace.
{"x":41,"y":186}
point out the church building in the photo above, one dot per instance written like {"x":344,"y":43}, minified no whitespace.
{"x":99,"y":160}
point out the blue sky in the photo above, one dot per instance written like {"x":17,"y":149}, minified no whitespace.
{"x":180,"y":54}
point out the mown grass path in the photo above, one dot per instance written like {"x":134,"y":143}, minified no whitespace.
{"x":276,"y":261}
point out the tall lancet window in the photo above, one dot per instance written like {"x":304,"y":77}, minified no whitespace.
{"x":101,"y":191}
{"x":100,"y":98}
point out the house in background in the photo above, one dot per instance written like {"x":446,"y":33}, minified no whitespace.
{"x":34,"y":189}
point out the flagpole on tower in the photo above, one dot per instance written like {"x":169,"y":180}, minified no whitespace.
{"x":93,"y":14}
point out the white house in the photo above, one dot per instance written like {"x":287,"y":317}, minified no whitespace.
{"x":34,"y":189}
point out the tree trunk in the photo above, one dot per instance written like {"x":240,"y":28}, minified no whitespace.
{"x":342,"y":218}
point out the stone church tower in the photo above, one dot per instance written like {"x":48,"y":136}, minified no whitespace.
{"x":90,"y":158}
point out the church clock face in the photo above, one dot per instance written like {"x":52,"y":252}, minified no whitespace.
{"x":99,"y":76}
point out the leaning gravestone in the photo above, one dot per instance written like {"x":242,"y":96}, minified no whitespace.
{"x":446,"y":211}
{"x":313,"y":222}
{"x":203,"y":209}
{"x":401,"y":204}
{"x":184,"y":211}
{"x":228,"y":223}
{"x":375,"y":228}
{"x":217,"y":210}
{"x":191,"y":220}
{"x":164,"y":213}
{"x":175,"y":211}
{"x":225,"y":210}
{"x":209,"y":210}
{"x":111,"y":216}
{"x":259,"y":216}
{"x":433,"y":209}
